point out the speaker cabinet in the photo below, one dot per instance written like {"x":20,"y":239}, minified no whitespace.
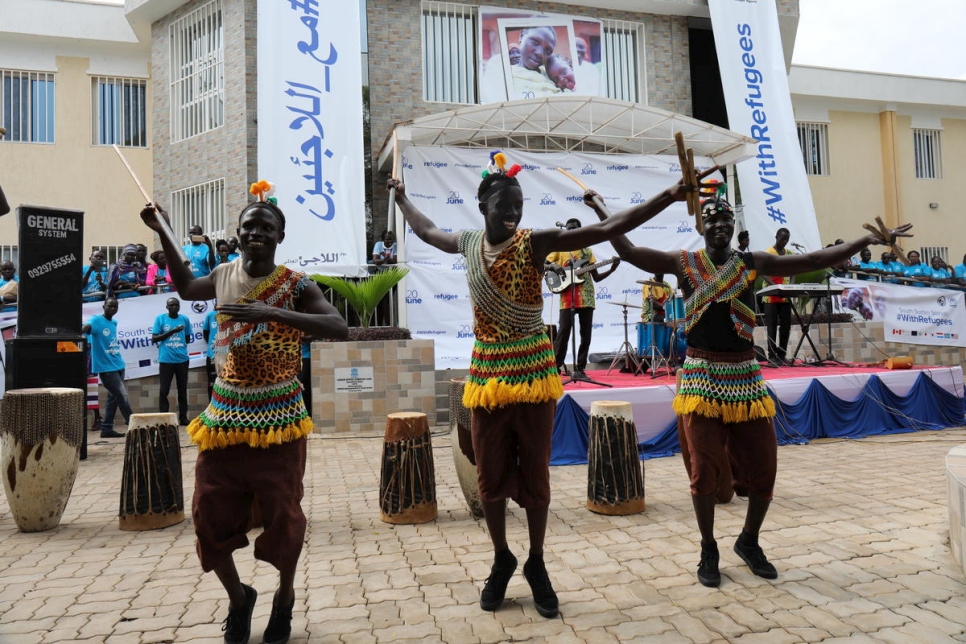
{"x":51,"y":259}
{"x":46,"y":362}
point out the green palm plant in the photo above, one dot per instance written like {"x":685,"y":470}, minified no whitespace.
{"x":365,"y":294}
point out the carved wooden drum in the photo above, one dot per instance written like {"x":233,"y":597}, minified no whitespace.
{"x":407,"y":482}
{"x":152,"y":494}
{"x":615,"y":474}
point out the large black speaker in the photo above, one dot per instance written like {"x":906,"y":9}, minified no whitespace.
{"x":46,"y":362}
{"x":51,"y":260}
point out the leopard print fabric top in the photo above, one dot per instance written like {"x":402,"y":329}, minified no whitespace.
{"x":512,"y":359}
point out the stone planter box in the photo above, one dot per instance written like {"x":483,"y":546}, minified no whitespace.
{"x":356,"y":384}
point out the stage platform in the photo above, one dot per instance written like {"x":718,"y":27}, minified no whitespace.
{"x":847,"y":401}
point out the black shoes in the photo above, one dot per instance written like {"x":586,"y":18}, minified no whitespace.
{"x":494,"y":589}
{"x":544,"y":598}
{"x":184,"y":421}
{"x":748,"y":549}
{"x":238,"y":625}
{"x":110,"y":433}
{"x":279,"y":625}
{"x":708,"y":573}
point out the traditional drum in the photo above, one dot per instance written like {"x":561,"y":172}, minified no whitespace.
{"x":41,"y":431}
{"x":407,"y":482}
{"x":725,"y":491}
{"x":615,"y":474}
{"x":462,"y":441}
{"x":662,"y":338}
{"x":152,"y":495}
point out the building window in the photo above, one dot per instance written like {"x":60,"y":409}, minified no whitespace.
{"x":623,"y":55}
{"x":27,"y":106}
{"x":111,"y":253}
{"x":119,"y":110}
{"x":197,"y":72}
{"x":928,"y":151}
{"x":813,"y":139}
{"x":928,"y":252}
{"x":10,"y":253}
{"x":202,"y":205}
{"x":450,"y":51}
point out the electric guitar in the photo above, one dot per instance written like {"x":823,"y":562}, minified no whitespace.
{"x":558,"y":283}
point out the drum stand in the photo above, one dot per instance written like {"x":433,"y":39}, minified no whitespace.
{"x":656,"y":357}
{"x":627,"y":349}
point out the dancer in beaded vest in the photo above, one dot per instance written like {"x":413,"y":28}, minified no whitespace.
{"x":513,"y":384}
{"x":722,"y":396}
{"x":251,"y":438}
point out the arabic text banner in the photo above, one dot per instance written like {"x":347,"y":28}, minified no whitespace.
{"x":310,"y":131}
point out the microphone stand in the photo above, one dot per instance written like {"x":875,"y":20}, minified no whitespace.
{"x":576,"y":376}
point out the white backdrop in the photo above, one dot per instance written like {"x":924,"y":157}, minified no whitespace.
{"x":310,"y":131}
{"x":774,"y":187}
{"x":442,"y":183}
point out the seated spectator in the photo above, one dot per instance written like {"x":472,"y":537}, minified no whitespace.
{"x":94,"y":282}
{"x":9,"y":286}
{"x":384,"y":251}
{"x":866,"y":265}
{"x":959,"y":272}
{"x":939,"y":273}
{"x":126,"y":276}
{"x":222,"y":252}
{"x":158,"y":273}
{"x":917,"y":271}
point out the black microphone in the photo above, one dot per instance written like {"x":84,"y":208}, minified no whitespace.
{"x":560,"y":225}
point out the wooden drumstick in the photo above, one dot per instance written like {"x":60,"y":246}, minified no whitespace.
{"x":693,"y":199}
{"x":596,"y":199}
{"x":164,"y":222}
{"x":882,"y":232}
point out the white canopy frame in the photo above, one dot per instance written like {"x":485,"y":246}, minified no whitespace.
{"x":563,"y":123}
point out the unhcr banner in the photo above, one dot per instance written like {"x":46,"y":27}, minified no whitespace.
{"x":310,"y":131}
{"x":135,"y":318}
{"x":774,"y":187}
{"x":910,"y":315}
{"x":442,"y":183}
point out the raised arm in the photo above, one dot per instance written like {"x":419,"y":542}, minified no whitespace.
{"x":189,"y":287}
{"x":788,"y":265}
{"x":422,"y":225}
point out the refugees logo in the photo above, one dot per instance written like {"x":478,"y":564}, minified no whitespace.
{"x":199,"y":307}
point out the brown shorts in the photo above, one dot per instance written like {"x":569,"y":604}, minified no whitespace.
{"x":512,"y":447}
{"x":752,"y":446}
{"x":228,"y":480}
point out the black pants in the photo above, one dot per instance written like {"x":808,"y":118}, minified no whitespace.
{"x":586,"y":317}
{"x":211,"y":373}
{"x":778,"y":321}
{"x":179,"y":371}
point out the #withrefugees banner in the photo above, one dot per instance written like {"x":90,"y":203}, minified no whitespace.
{"x":774,"y":186}
{"x":310,"y":131}
{"x":910,"y":315}
{"x":442,"y":183}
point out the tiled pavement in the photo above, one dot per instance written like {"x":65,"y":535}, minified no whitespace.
{"x":858,"y":532}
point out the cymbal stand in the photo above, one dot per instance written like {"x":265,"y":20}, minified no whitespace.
{"x":626,"y":351}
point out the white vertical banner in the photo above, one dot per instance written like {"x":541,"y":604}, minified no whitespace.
{"x":310,"y":131}
{"x":774,"y":187}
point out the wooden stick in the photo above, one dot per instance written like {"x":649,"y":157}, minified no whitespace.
{"x":164,"y":222}
{"x":597,"y":200}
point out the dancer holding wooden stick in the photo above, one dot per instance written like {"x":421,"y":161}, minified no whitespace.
{"x":722,"y":397}
{"x":513,"y":384}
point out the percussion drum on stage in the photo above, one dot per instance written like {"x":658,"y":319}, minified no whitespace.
{"x":152,"y":494}
{"x":662,"y":335}
{"x":615,"y":473}
{"x":41,"y":431}
{"x":679,"y":345}
{"x":407,"y":482}
{"x":674,"y":309}
{"x":462,"y":442}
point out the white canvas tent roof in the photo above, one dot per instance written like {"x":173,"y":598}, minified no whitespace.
{"x":569,"y":123}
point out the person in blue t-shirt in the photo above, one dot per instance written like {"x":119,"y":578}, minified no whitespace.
{"x":172,"y":333}
{"x":916,"y":271}
{"x":233,"y":253}
{"x":939,"y":273}
{"x":959,"y":273}
{"x":106,"y":361}
{"x":200,"y":252}
{"x":9,"y":286}
{"x":94,"y":281}
{"x":890,"y":267}
{"x":209,"y":330}
{"x":866,"y":265}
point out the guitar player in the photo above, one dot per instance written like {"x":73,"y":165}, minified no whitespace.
{"x":576,"y":300}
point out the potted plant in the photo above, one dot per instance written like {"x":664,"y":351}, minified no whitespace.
{"x":363,"y":296}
